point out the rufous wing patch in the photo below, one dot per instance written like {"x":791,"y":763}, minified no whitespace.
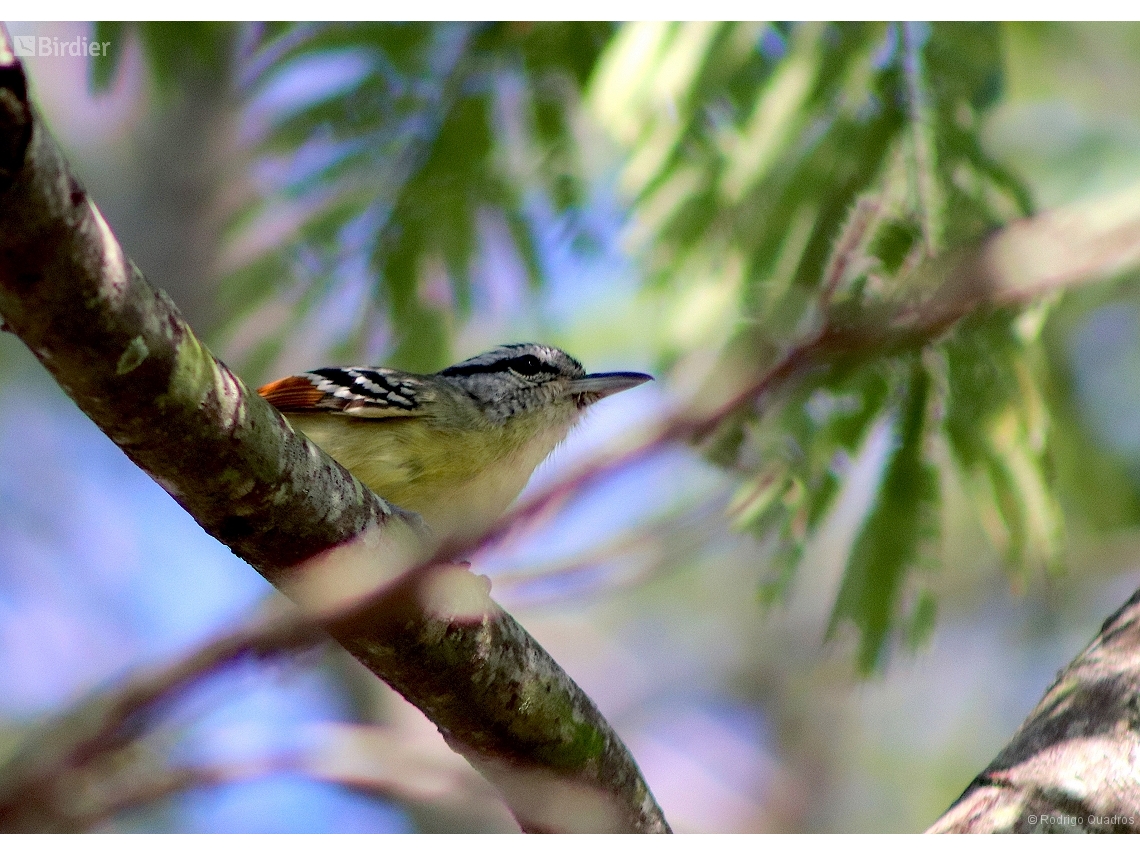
{"x":292,"y":393}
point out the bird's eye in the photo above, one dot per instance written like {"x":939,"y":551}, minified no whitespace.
{"x":527,"y":365}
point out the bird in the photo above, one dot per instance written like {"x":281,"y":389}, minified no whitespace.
{"x":456,"y":447}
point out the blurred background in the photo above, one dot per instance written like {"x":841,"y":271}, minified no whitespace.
{"x":783,"y":647}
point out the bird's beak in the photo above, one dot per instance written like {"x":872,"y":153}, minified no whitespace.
{"x":594,"y":387}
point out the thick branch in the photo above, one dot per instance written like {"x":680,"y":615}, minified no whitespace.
{"x":1072,"y":764}
{"x":122,"y":352}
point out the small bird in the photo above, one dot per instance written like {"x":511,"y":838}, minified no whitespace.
{"x":457,"y":446}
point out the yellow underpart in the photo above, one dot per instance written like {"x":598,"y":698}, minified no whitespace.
{"x":459,"y":479}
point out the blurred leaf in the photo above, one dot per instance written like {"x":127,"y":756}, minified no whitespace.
{"x":757,"y":498}
{"x":998,"y":428}
{"x":901,"y":522}
{"x":178,"y":53}
{"x":894,"y":242}
{"x":919,"y":624}
{"x":105,"y":66}
{"x":804,"y":446}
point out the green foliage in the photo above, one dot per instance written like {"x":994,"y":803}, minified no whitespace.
{"x":903,"y":519}
{"x":828,"y":160}
{"x":998,"y":430}
{"x":177,"y":52}
{"x":780,"y":176}
{"x":805,"y":444}
{"x":433,"y":130}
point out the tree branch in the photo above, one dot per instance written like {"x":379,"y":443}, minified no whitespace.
{"x":36,"y":785}
{"x":121,"y":350}
{"x":92,"y":762}
{"x":1072,"y":765}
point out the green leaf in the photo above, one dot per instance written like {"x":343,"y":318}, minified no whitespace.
{"x":901,"y":521}
{"x":106,"y":65}
{"x":997,"y":424}
{"x":178,"y":53}
{"x":757,"y":498}
{"x":918,"y":626}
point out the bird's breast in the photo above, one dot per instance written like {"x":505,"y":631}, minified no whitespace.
{"x":459,"y":481}
{"x":464,"y":509}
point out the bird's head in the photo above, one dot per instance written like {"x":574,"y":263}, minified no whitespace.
{"x":530,"y":378}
